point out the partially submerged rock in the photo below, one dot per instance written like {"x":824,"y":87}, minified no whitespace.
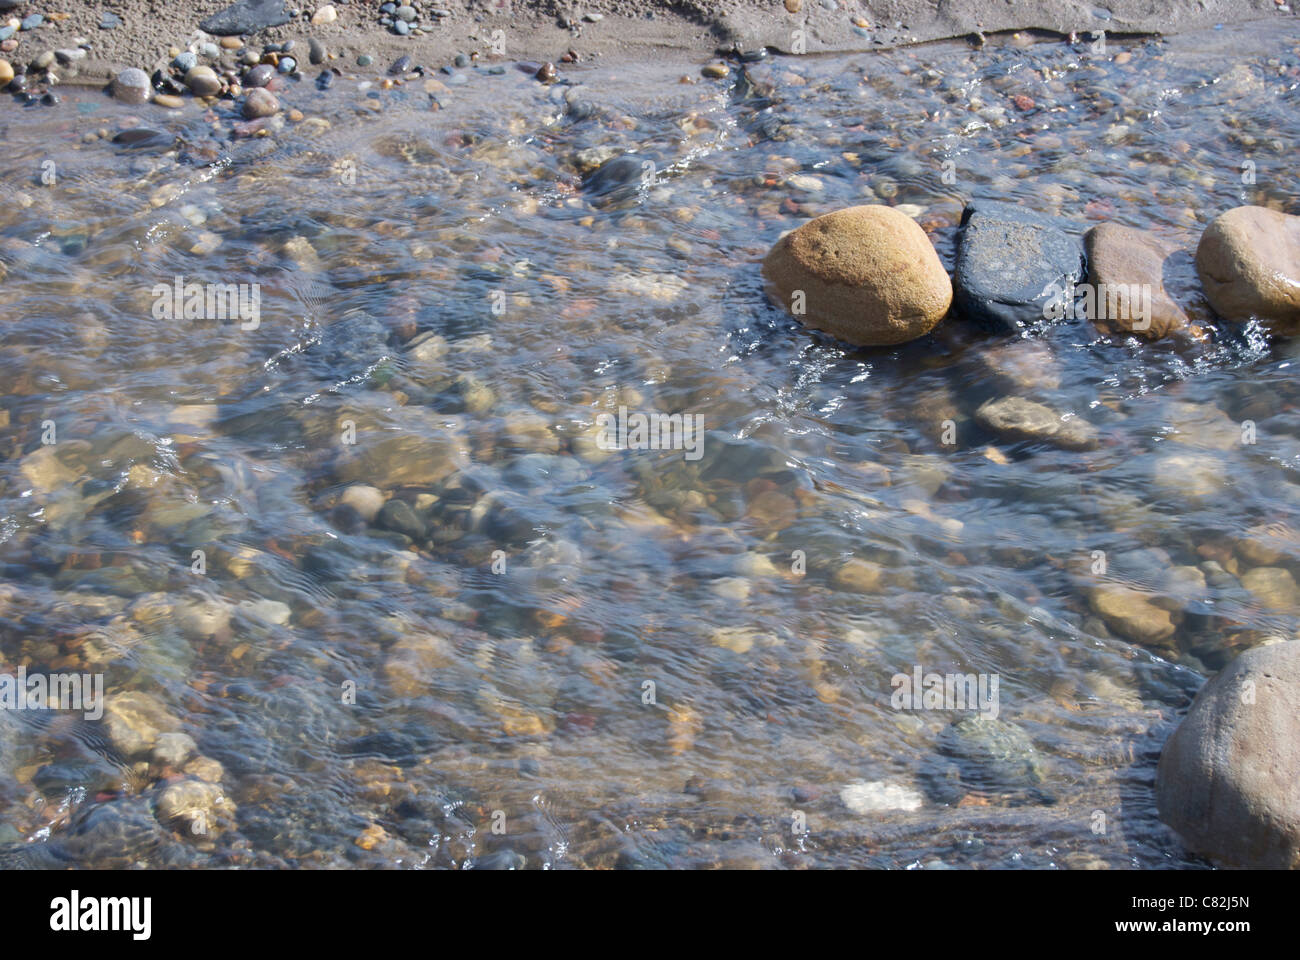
{"x":1014,"y":267}
{"x":1126,"y":271}
{"x":1229,"y":778}
{"x":867,"y":275}
{"x":1249,"y":264}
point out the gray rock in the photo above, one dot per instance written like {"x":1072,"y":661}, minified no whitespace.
{"x":993,"y":756}
{"x":173,"y":749}
{"x":113,"y":835}
{"x":619,"y":180}
{"x":400,"y":517}
{"x":1229,"y":778}
{"x":247,"y":16}
{"x":259,"y":76}
{"x":1012,"y":263}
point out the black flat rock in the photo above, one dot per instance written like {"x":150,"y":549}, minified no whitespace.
{"x":1009,"y":260}
{"x":247,"y":16}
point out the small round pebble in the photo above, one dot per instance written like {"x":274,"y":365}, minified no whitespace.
{"x":260,"y":103}
{"x":259,"y":76}
{"x":131,"y":85}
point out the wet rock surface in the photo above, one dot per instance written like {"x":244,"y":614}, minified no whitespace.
{"x":988,"y":755}
{"x":867,"y":275}
{"x":1249,"y":263}
{"x":1131,"y":263}
{"x":1016,"y":418}
{"x":1227,"y":776}
{"x":1014,"y":266}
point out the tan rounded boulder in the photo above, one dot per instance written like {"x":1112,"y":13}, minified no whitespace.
{"x":867,"y":275}
{"x":1249,"y":264}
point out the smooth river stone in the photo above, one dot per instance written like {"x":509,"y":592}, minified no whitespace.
{"x":1249,"y":264}
{"x":1119,"y":255}
{"x":1013,"y":265}
{"x":247,"y":16}
{"x":1228,"y":780}
{"x":867,"y":275}
{"x":132,"y":86}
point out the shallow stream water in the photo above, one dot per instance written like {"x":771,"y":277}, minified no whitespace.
{"x":597,"y":658}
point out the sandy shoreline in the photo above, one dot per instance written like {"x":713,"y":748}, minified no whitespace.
{"x":602,"y":31}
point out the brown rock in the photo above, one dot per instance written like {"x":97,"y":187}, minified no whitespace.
{"x":859,"y":576}
{"x":1274,"y":588}
{"x":1132,"y":614}
{"x":412,"y":661}
{"x":867,"y":275}
{"x":1227,"y":778}
{"x":1124,"y":258}
{"x":203,"y":81}
{"x":260,"y":103}
{"x":1249,"y":264}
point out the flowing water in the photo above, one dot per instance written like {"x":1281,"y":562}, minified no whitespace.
{"x":552,"y":654}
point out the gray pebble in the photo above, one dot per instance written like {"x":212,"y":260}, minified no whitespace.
{"x":259,"y":76}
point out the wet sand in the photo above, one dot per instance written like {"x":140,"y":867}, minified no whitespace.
{"x":623,"y":29}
